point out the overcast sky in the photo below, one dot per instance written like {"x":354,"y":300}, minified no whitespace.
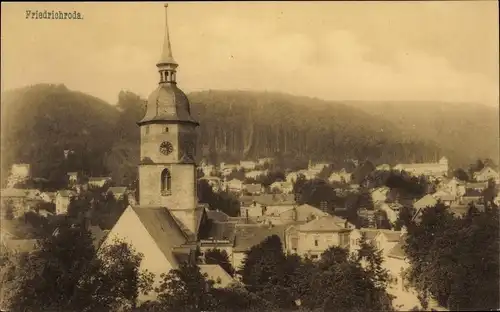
{"x":446,"y":51}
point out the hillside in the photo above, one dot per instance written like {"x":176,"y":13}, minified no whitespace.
{"x":39,"y":122}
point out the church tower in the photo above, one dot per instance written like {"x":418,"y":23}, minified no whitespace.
{"x":167,"y":172}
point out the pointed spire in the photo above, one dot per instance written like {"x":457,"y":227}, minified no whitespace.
{"x":166,"y":56}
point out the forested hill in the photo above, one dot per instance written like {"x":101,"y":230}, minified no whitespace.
{"x":40,"y":122}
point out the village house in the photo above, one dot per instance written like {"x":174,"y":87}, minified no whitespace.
{"x":444,"y":197}
{"x":118,"y":192}
{"x":253,"y":189}
{"x":486,"y":174}
{"x":302,"y":214}
{"x":224,"y":167}
{"x":383,"y":167}
{"x":355,"y":237}
{"x":385,"y":240}
{"x":265,"y":160}
{"x":317,"y":168}
{"x":234,"y":185}
{"x":453,"y":186}
{"x":72,"y":177}
{"x":248,"y":164}
{"x":314,"y":237}
{"x":472,"y":196}
{"x":63,"y":198}
{"x":282,"y":187}
{"x":255,"y":174}
{"x":476,"y":186}
{"x":48,"y":197}
{"x":340,"y":177}
{"x":379,"y":194}
{"x":439,"y":169}
{"x":16,"y":199}
{"x":98,"y":181}
{"x":391,"y":210}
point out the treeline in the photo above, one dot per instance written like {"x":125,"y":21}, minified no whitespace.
{"x":40,"y":122}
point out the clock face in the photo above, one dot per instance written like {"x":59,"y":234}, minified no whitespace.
{"x":166,"y":148}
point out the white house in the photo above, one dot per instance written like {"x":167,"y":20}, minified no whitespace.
{"x":379,"y":194}
{"x":340,"y":177}
{"x":63,"y":198}
{"x":234,"y":185}
{"x":255,"y":174}
{"x":265,"y":160}
{"x":98,"y":181}
{"x":314,"y":237}
{"x":282,"y":187}
{"x":392,"y":210}
{"x":248,"y":164}
{"x":486,"y":174}
{"x":439,"y":169}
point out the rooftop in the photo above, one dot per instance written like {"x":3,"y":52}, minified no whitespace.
{"x":248,"y":236}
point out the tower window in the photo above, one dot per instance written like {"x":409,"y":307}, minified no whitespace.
{"x":166,"y":183}
{"x":166,"y":129}
{"x":315,"y":242}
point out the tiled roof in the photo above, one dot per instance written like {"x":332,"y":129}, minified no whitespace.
{"x":424,"y":202}
{"x":392,"y":236}
{"x":218,"y":216}
{"x":99,"y":178}
{"x":305,"y":211}
{"x":222,"y":231}
{"x":322,"y":224}
{"x":397,"y":251}
{"x":163,"y":228}
{"x":248,"y":236}
{"x":476,"y":185}
{"x":275,"y":199}
{"x":216,"y":273}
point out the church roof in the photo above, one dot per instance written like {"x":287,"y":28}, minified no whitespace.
{"x":163,"y":228}
{"x":168,"y":103}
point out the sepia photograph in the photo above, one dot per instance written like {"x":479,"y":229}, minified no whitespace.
{"x":250,"y":156}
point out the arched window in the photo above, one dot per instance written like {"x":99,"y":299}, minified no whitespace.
{"x":166,"y":183}
{"x":165,"y":130}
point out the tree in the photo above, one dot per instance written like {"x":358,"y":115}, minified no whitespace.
{"x":455,"y":260}
{"x":64,"y":273}
{"x":461,"y":174}
{"x":372,"y":257}
{"x":220,"y":257}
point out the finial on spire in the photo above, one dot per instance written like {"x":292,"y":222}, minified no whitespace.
{"x":166,"y":56}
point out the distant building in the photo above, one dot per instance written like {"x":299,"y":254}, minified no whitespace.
{"x":214,"y":182}
{"x":248,"y":164}
{"x":72,"y":177}
{"x":486,"y":174}
{"x":383,"y":167}
{"x":21,"y":170}
{"x":63,"y":199}
{"x":379,"y":194}
{"x":255,"y":174}
{"x":340,"y":177}
{"x":17,"y":199}
{"x":313,"y":238}
{"x":439,"y":169}
{"x":234,"y":185}
{"x":98,"y":181}
{"x":118,"y":192}
{"x":253,"y":189}
{"x":264,"y":161}
{"x":282,"y":187}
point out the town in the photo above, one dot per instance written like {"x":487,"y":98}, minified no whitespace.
{"x":193,"y":234}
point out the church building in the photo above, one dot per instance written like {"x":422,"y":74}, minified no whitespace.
{"x":164,"y":226}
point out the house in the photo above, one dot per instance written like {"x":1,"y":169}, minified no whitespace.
{"x":340,"y":177}
{"x":21,"y":170}
{"x":453,"y":186}
{"x":368,"y":215}
{"x":314,"y":237}
{"x":385,"y":240}
{"x":282,"y":187}
{"x":445,"y":197}
{"x":392,"y":210}
{"x":249,"y":235}
{"x":303,"y":213}
{"x":471,"y":196}
{"x":292,"y":176}
{"x":118,"y":192}
{"x":63,"y":199}
{"x":98,"y":181}
{"x":476,"y":186}
{"x":383,"y":167}
{"x":486,"y":174}
{"x":253,"y":189}
{"x":275,"y":204}
{"x":355,"y":237}
{"x":423,"y":203}
{"x":163,"y":239}
{"x":264,"y":161}
{"x":217,"y":274}
{"x":248,"y":164}
{"x":234,"y":185}
{"x":207,"y":170}
{"x":72,"y":177}
{"x":219,"y":233}
{"x":379,"y":194}
{"x":224,"y":167}
{"x":439,"y":169}
{"x":255,"y":174}
{"x":317,"y":168}
{"x":461,"y":210}
{"x":16,"y":198}
{"x":48,"y":197}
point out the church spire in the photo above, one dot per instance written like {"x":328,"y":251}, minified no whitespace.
{"x":167,"y":65}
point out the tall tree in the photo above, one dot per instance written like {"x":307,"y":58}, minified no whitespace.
{"x":220,"y":257}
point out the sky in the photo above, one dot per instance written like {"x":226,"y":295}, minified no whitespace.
{"x":368,"y":51}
